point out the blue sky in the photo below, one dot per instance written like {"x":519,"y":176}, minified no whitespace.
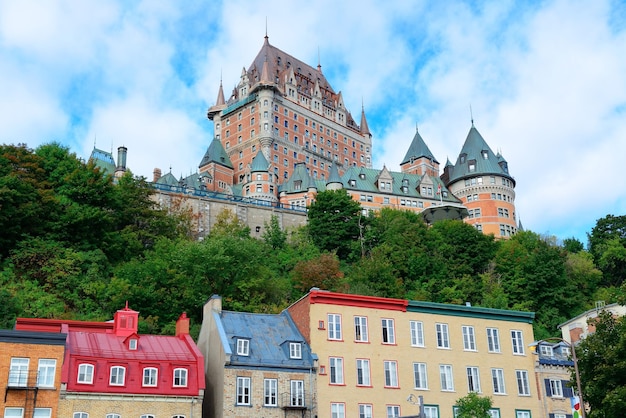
{"x":546,"y":82}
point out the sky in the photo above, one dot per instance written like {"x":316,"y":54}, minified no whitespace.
{"x":545,"y":82}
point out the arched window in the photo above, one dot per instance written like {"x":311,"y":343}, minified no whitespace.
{"x":150,"y":375}
{"x":180,"y":377}
{"x":117,"y":376}
{"x":85,"y":373}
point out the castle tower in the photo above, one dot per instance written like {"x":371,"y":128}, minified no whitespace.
{"x":288,"y":110}
{"x":482,"y":181}
{"x":419,"y":159}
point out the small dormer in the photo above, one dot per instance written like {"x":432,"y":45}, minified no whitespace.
{"x":132,"y":342}
{"x":242,"y":346}
{"x":125,"y":322}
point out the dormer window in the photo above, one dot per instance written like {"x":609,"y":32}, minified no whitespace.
{"x":462,"y":159}
{"x":295,"y":350}
{"x":132,"y":344}
{"x":471,"y":166}
{"x":362,"y":176}
{"x":297,"y":185}
{"x":243,"y":347}
{"x":352,"y":183}
{"x":485,"y":155}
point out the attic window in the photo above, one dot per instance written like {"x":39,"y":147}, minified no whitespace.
{"x":243,"y":347}
{"x":462,"y":159}
{"x":295,"y":350}
{"x":471,"y":166}
{"x":132,"y":344}
{"x":485,"y":154}
{"x":297,"y":185}
{"x":352,"y":183}
{"x":362,"y":176}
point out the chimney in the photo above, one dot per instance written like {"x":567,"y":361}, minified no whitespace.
{"x":182,"y":325}
{"x":156,"y":175}
{"x":121,"y":158}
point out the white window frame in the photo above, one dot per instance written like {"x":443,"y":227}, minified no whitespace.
{"x":42,"y":413}
{"x":14,"y":412}
{"x":546,"y":350}
{"x":420,"y":376}
{"x":522,"y":414}
{"x":493,"y":340}
{"x":46,"y":372}
{"x":243,"y":347}
{"x":18,"y":372}
{"x":517,"y":342}
{"x":295,"y":350}
{"x":523,"y":384}
{"x":469,"y":338}
{"x":393,"y":411}
{"x":391,"y":373}
{"x":334,"y":327}
{"x":147,"y":416}
{"x":180,"y":376}
{"x":336,"y":370}
{"x":431,"y":411}
{"x":388,"y":330}
{"x":270,"y":392}
{"x":297,"y":392}
{"x":87,"y":373}
{"x":494,"y":413}
{"x":473,"y":379}
{"x":338,"y":410}
{"x":365,"y":410}
{"x":443,"y":337}
{"x":243,"y":390}
{"x":360,"y":329}
{"x":80,"y":415}
{"x":363,"y":372}
{"x":556,"y":387}
{"x":117,"y":373}
{"x":497,"y":379}
{"x":446,"y":378}
{"x":152,"y":376}
{"x":417,"y":333}
{"x":113,"y":416}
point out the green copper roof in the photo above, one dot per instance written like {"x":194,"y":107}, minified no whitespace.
{"x":259,"y":163}
{"x":103,"y":160}
{"x":334,"y":175}
{"x":216,"y":154}
{"x":168,"y":179}
{"x":418,"y":149}
{"x":470,"y":311}
{"x":477,"y":158}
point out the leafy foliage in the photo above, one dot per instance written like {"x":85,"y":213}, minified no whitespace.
{"x":473,"y":406}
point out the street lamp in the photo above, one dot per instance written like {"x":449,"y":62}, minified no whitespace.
{"x":418,"y":401}
{"x":576,"y":373}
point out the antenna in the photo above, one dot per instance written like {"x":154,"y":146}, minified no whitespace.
{"x":471,"y":115}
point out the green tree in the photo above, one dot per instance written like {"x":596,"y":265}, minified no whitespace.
{"x":334,"y":222}
{"x":607,"y":242}
{"x":573,"y":245}
{"x":273,"y":235}
{"x":602,"y":367}
{"x":473,"y":406}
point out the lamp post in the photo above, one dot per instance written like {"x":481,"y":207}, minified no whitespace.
{"x":418,"y":401}
{"x":576,"y":373}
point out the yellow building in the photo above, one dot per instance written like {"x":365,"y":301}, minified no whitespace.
{"x":374,"y":353}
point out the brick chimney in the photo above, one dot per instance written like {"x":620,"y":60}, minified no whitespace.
{"x":182,"y":325}
{"x":156,"y":175}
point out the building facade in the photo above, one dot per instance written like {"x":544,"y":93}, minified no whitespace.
{"x":111,"y":371}
{"x":582,"y":325}
{"x":553,"y":368}
{"x":374,"y":353}
{"x":30,"y":373}
{"x":257,"y":365}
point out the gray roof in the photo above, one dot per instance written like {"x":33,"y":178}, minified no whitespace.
{"x":269,"y":336}
{"x":476,"y":151}
{"x":418,"y":149}
{"x":216,"y":154}
{"x":103,"y":160}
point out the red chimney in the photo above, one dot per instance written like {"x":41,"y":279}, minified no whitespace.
{"x":182,"y":325}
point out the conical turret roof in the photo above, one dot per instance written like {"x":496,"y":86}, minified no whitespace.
{"x":259,"y":163}
{"x":418,"y":149}
{"x":216,"y":154}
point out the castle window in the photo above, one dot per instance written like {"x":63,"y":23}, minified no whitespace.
{"x":485,"y":154}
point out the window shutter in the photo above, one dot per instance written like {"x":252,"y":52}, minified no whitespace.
{"x":548,"y":388}
{"x":551,"y":415}
{"x":568,"y":392}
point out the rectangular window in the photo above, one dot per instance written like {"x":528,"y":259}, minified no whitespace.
{"x":469,"y":341}
{"x":518,"y":342}
{"x":117,"y":376}
{"x":493,"y":340}
{"x":243,"y":391}
{"x":523,"y":387}
{"x":270,"y":392}
{"x":243,"y":347}
{"x":149,"y":376}
{"x":494,"y":413}
{"x":337,"y":410}
{"x":391,"y":374}
{"x":447,"y":381}
{"x":420,"y":376}
{"x":18,"y":373}
{"x":45,"y":372}
{"x":360,"y":329}
{"x":431,"y":411}
{"x":389,"y":336}
{"x":417,"y":333}
{"x":334,"y":327}
{"x":497,"y":377}
{"x":13,"y":413}
{"x":44,"y":413}
{"x":336,"y":370}
{"x":443,"y":340}
{"x":522,"y":414}
{"x":363,"y":372}
{"x":297,"y":393}
{"x":85,"y":373}
{"x":180,"y":377}
{"x":473,"y":380}
{"x":393,"y":411}
{"x":295,"y":350}
{"x":365,"y":411}
{"x":556,"y":388}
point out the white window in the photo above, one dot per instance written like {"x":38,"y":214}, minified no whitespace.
{"x":523,"y":387}
{"x":469,"y":341}
{"x":180,"y":377}
{"x":132,"y":344}
{"x":443,"y":340}
{"x":393,"y":411}
{"x":494,"y":413}
{"x":391,"y":374}
{"x":560,"y":416}
{"x":44,"y":413}
{"x":85,"y":373}
{"x":117,"y":376}
{"x":243,"y":391}
{"x":360,"y":329}
{"x":18,"y":373}
{"x":338,"y":410}
{"x":497,"y":377}
{"x":243,"y":347}
{"x":295,"y":350}
{"x":493,"y":340}
{"x":556,"y":387}
{"x":363,"y":372}
{"x":297,"y":393}
{"x":150,"y":376}
{"x":13,"y":412}
{"x":420,"y":376}
{"x":522,"y":414}
{"x":334,"y":327}
{"x":336,"y":370}
{"x":417,"y":333}
{"x":147,"y":416}
{"x":113,"y":416}
{"x":518,"y":342}
{"x":80,"y":415}
{"x":270,"y":392}
{"x":473,"y":379}
{"x":389,"y":336}
{"x":431,"y":411}
{"x":546,"y":350}
{"x":365,"y":411}
{"x":45,"y":372}
{"x":447,"y":381}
